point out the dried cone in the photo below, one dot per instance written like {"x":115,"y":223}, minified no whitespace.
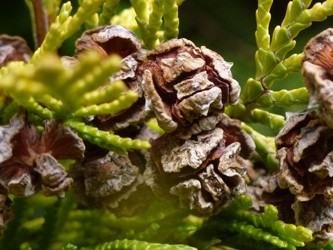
{"x":318,"y":73}
{"x":116,"y":39}
{"x":183,"y":83}
{"x":303,"y":188}
{"x":202,"y":165}
{"x":13,"y":48}
{"x":28,"y":158}
{"x":107,"y":179}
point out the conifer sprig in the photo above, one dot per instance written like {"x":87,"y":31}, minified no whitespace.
{"x":149,"y":19}
{"x":62,"y":90}
{"x":155,"y":22}
{"x":66,"y":25}
{"x":265,"y":147}
{"x":69,"y":246}
{"x":140,"y":245}
{"x":108,"y":11}
{"x":236,"y":218}
{"x":171,"y":21}
{"x":282,"y":98}
{"x":273,"y":121}
{"x":126,"y":18}
{"x":271,"y":61}
{"x":105,"y":139}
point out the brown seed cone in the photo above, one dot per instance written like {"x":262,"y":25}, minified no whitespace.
{"x":305,"y":155}
{"x":202,"y":166}
{"x":112,"y":181}
{"x":107,"y":179}
{"x":183,"y":83}
{"x":13,"y":48}
{"x":318,"y":73}
{"x":28,"y":158}
{"x":116,"y":39}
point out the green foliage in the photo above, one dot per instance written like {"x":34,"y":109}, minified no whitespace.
{"x":21,"y":229}
{"x":272,"y":63}
{"x":66,"y":25}
{"x":20,"y":208}
{"x":52,"y":7}
{"x":126,"y":18}
{"x":48,"y":231}
{"x":149,"y":19}
{"x":155,"y":22}
{"x":45,"y":81}
{"x":284,"y":98}
{"x":108,"y":11}
{"x":55,"y":215}
{"x":105,"y":139}
{"x":238,"y":220}
{"x":123,"y":102}
{"x":160,"y":223}
{"x":272,"y":121}
{"x":271,"y":55}
{"x":265,"y":147}
{"x":171,"y":21}
{"x":8,"y":111}
{"x":140,"y":245}
{"x":69,"y":246}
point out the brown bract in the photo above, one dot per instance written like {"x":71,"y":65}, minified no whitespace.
{"x":183,"y":83}
{"x":13,"y":48}
{"x":318,"y":73}
{"x":28,"y":157}
{"x":202,"y":166}
{"x":108,"y":40}
{"x":305,"y":155}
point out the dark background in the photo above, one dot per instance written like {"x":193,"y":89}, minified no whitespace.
{"x":226,"y":26}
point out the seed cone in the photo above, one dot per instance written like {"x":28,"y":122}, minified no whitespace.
{"x":28,"y":158}
{"x":183,"y":83}
{"x":13,"y":48}
{"x":107,"y":179}
{"x":318,"y":73}
{"x":303,"y":188}
{"x":201,"y":166}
